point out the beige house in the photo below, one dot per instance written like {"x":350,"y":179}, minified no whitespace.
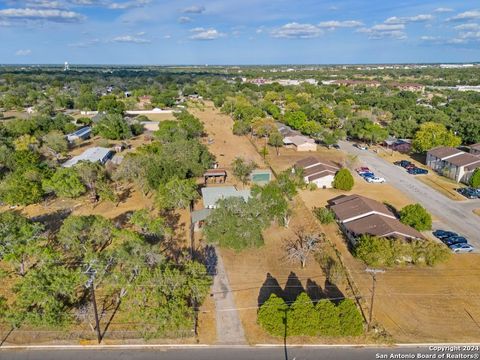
{"x":300,"y":143}
{"x":453,"y":163}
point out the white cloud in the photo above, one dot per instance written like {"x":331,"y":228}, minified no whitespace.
{"x":84,"y":44}
{"x":297,"y":31}
{"x":469,"y":26}
{"x":194,"y":9}
{"x":470,"y":35}
{"x":408,"y":19}
{"x":184,"y":20}
{"x":381,"y":31}
{"x":52,"y":15}
{"x":205,"y":34}
{"x":134,"y":39}
{"x":128,"y":4}
{"x":442,"y":10}
{"x":23,"y":52}
{"x":334,"y":24}
{"x":467,"y":15}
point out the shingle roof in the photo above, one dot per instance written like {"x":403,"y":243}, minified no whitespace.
{"x":306,"y":162}
{"x":378,"y":225}
{"x":464,"y":159}
{"x":357,"y":206}
{"x":475,"y":146}
{"x":443,"y":152}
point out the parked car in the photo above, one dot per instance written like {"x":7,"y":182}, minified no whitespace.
{"x":461,"y":248}
{"x":403,"y":163}
{"x":442,"y":234}
{"x":417,"y":171}
{"x":362,"y":169}
{"x":361,"y":147}
{"x":367,"y":175}
{"x":469,"y":193}
{"x":455,"y":240}
{"x":375,"y":179}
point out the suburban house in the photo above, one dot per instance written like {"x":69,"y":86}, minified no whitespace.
{"x":300,"y":143}
{"x":358,"y":215}
{"x":81,"y":134}
{"x":453,"y":163}
{"x":94,"y":154}
{"x":401,"y":145}
{"x":408,"y":87}
{"x":316,"y":171}
{"x":475,"y":149}
{"x":211,"y":195}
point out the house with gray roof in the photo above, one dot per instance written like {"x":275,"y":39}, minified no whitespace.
{"x":211,"y":195}
{"x":93,"y":154}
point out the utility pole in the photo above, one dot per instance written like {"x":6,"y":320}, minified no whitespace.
{"x":91,"y":284}
{"x":374,"y":273}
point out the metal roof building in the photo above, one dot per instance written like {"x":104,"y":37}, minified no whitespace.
{"x":211,"y":195}
{"x":94,"y":154}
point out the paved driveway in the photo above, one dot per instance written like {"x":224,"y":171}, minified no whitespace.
{"x":451,"y":215}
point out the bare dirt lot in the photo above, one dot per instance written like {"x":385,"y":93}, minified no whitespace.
{"x":414,"y":304}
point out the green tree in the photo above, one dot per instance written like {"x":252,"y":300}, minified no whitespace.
{"x":65,"y":182}
{"x":324,"y":215}
{"x":343,"y":180}
{"x":328,"y":318}
{"x":275,"y":139}
{"x":55,"y":141}
{"x":19,"y":240}
{"x":147,"y":224}
{"x":475,"y":179}
{"x":351,"y":321}
{"x":111,"y":105}
{"x":431,"y":135}
{"x":242,"y":169}
{"x":416,"y":216}
{"x":374,"y":251}
{"x":113,"y":127}
{"x":21,"y":188}
{"x":272,"y":315}
{"x":302,"y":319}
{"x":176,"y":194}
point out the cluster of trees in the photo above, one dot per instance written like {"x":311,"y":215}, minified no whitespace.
{"x":304,"y":318}
{"x":416,"y":216}
{"x":375,"y":251}
{"x":238,"y":224}
{"x":51,"y":275}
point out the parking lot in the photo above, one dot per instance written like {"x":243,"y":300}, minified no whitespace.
{"x":451,"y":215}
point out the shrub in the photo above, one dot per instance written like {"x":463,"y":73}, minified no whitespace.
{"x":328,"y":318}
{"x":416,"y":216}
{"x":301,"y":318}
{"x":271,"y":315}
{"x":351,"y":321}
{"x":374,"y":251}
{"x":343,"y":180}
{"x":475,"y":179}
{"x":324,"y":215}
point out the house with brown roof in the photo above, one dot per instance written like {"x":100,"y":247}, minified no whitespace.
{"x":359,"y":215}
{"x":475,"y":149}
{"x":317,"y":171}
{"x":300,"y":143}
{"x":453,"y":163}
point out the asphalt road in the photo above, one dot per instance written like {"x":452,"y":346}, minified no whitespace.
{"x":249,"y":353}
{"x":452,"y":215}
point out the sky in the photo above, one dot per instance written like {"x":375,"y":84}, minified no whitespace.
{"x":238,"y":32}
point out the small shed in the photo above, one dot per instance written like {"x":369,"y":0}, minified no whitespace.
{"x":81,"y":134}
{"x":261,"y":176}
{"x":218,"y":175}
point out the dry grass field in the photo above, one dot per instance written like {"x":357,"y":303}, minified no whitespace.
{"x":413,"y":304}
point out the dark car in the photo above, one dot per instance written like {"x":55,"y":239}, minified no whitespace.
{"x":442,"y":234}
{"x":367,"y":174}
{"x":417,"y":171}
{"x":469,"y":193}
{"x":455,"y":240}
{"x":336,"y":146}
{"x":402,"y":163}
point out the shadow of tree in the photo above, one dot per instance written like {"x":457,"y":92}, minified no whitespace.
{"x":54,"y":220}
{"x":270,"y":286}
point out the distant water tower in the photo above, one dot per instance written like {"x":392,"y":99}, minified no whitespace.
{"x":66,"y":67}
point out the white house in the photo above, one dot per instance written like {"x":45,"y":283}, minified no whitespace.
{"x":300,"y":143}
{"x":453,"y":163}
{"x":94,"y":154}
{"x":318,"y":172}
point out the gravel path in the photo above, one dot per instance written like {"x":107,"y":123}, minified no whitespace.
{"x":229,"y":326}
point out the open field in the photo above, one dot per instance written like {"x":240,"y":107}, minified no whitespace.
{"x":414,"y":304}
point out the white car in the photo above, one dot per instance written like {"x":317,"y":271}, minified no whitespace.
{"x":375,"y":179}
{"x":361,"y":147}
